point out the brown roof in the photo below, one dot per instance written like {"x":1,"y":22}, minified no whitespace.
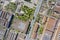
{"x":21,"y":36}
{"x":57,"y":34}
{"x":57,"y":8}
{"x":50,"y":24}
{"x":34,"y":32}
{"x":44,"y":19}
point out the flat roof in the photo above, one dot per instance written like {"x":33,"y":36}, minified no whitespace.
{"x":22,"y":25}
{"x":50,"y":24}
{"x":57,"y":33}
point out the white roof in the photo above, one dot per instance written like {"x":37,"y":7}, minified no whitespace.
{"x":13,"y":0}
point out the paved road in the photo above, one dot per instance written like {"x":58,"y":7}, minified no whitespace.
{"x":35,"y":16}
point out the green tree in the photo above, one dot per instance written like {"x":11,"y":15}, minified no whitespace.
{"x":40,"y":31}
{"x":28,"y":13}
{"x":11,"y":7}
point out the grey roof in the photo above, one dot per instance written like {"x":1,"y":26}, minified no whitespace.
{"x":47,"y":36}
{"x":2,"y":34}
{"x":22,"y":25}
